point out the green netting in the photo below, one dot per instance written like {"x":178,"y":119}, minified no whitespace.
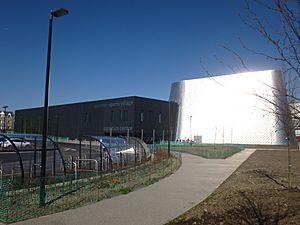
{"x":64,"y":192}
{"x":209,"y":151}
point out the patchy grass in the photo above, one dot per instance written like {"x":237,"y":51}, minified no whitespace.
{"x":208,"y":151}
{"x":256,"y":193}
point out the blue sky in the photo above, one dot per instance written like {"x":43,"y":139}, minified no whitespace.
{"x":117,"y":48}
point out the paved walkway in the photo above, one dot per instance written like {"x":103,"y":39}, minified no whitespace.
{"x":158,"y":203}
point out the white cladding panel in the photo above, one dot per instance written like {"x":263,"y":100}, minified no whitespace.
{"x":227,"y":109}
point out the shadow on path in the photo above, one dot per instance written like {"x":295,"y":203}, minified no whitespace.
{"x":158,"y":203}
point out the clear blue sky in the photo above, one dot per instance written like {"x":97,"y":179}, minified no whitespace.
{"x":116,"y":48}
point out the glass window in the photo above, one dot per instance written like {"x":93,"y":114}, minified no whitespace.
{"x":142,"y":117}
{"x":159,"y":118}
{"x":123,"y":115}
{"x":114,"y":115}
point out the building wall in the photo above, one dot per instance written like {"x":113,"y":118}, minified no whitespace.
{"x":231,"y":108}
{"x":154,"y":115}
{"x":104,"y":117}
{"x":295,"y":112}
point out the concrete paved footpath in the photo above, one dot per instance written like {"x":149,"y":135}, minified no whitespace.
{"x":158,"y":203}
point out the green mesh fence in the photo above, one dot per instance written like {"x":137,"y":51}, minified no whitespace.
{"x":209,"y":151}
{"x":64,"y":192}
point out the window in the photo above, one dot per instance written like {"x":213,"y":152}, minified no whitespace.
{"x":86,"y":117}
{"x":123,"y":115}
{"x":119,"y":115}
{"x":159,"y":117}
{"x":142,"y":117}
{"x":114,"y":116}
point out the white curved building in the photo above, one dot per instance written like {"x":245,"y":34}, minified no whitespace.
{"x":228,"y":109}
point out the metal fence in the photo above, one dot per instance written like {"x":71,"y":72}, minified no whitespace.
{"x":65,"y":192}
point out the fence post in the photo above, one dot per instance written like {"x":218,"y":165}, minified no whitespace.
{"x":153,"y":137}
{"x":34,"y":158}
{"x":54,"y":160}
{"x":163,"y":170}
{"x":1,"y":171}
{"x":75,"y":170}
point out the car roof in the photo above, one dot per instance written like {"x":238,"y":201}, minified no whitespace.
{"x":17,"y":139}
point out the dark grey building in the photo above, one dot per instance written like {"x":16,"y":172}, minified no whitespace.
{"x":137,"y":115}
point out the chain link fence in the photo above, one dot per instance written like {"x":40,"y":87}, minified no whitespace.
{"x":19,"y":203}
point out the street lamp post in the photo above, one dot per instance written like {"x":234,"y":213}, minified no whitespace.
{"x":4,"y":121}
{"x":191,"y":130}
{"x":169,"y":130}
{"x":55,"y":13}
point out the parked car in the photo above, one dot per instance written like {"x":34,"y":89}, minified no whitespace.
{"x":4,"y":143}
{"x":19,"y":143}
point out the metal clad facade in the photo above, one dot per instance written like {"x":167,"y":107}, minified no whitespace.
{"x":231,"y":108}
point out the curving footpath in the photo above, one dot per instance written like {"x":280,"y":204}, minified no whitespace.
{"x":158,"y":203}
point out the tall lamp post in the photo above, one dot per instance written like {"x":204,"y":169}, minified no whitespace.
{"x":169,"y":130}
{"x":55,"y":13}
{"x":191,"y":130}
{"x":4,"y":121}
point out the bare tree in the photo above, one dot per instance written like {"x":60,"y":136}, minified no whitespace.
{"x":281,"y":31}
{"x":286,"y":111}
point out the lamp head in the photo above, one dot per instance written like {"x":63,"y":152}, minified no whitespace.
{"x":59,"y":12}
